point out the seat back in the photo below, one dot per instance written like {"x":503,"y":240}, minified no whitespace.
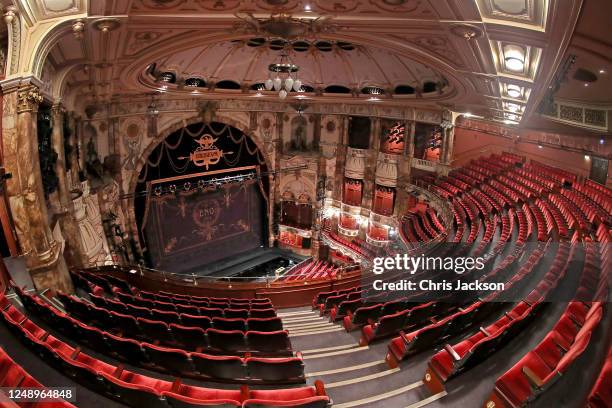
{"x":222,"y":323}
{"x":219,"y":367}
{"x":231,"y":341}
{"x":262,"y":313}
{"x":275,"y":369}
{"x":265,"y":324}
{"x":190,"y":338}
{"x":203,"y":322}
{"x":175,"y":361}
{"x":269,"y":342}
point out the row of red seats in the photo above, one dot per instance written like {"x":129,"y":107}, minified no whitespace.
{"x":591,"y":211}
{"x":524,"y":227}
{"x":599,"y":187}
{"x":458,"y":175}
{"x":490,"y":228}
{"x":210,"y":309}
{"x":210,"y":339}
{"x":514,"y":196}
{"x":507,"y":228}
{"x":534,"y":176}
{"x":173,"y":360}
{"x":417,"y":340}
{"x":201,"y":316}
{"x":501,"y":200}
{"x":534,"y":186}
{"x":13,"y":376}
{"x":551,"y":358}
{"x":524,"y":192}
{"x":433,"y":217}
{"x":557,"y":217}
{"x":228,"y":319}
{"x":99,"y":283}
{"x":601,"y":393}
{"x":455,"y":359}
{"x":551,"y":172}
{"x":538,"y":219}
{"x":138,"y":390}
{"x":311,"y":270}
{"x":357,"y":245}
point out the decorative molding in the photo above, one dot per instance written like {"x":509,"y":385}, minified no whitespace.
{"x":28,"y":99}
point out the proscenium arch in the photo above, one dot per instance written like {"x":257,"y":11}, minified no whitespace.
{"x":174,"y":127}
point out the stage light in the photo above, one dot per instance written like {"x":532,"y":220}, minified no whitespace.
{"x":133,"y":271}
{"x":187,"y":186}
{"x":172,"y":188}
{"x":601,"y":141}
{"x":540,"y":147}
{"x":587,"y":157}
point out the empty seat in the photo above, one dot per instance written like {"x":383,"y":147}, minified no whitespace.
{"x":305,"y":397}
{"x":190,"y":338}
{"x":219,"y":367}
{"x":165,"y":316}
{"x":229,"y":341}
{"x":139,"y":311}
{"x":236,"y":313}
{"x":262,"y":313}
{"x":136,"y":395}
{"x":154,"y":330}
{"x":275,"y":369}
{"x":127,"y":324}
{"x":265,"y":324}
{"x":127,"y":349}
{"x":269,"y":342}
{"x":192,"y":397}
{"x":203,"y":322}
{"x":211,"y":312}
{"x":175,"y":361}
{"x":229,"y":324}
{"x":165,"y":306}
{"x":188,"y":309}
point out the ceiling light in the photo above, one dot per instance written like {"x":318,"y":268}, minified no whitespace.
{"x":601,"y":141}
{"x":307,"y":7}
{"x":514,"y":57}
{"x":514,"y":91}
{"x":586,"y":84}
{"x":602,"y":71}
{"x":513,"y":107}
{"x":540,"y":146}
{"x":286,"y":78}
{"x":587,"y":157}
{"x":132,"y":271}
{"x":515,"y":64}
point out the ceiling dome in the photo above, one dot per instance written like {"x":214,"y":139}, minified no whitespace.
{"x":324,"y":65}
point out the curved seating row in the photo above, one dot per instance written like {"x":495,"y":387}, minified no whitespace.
{"x":205,"y":337}
{"x":173,"y":360}
{"x":138,"y":390}
{"x":12,"y":375}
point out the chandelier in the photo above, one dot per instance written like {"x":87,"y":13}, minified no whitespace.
{"x":282,"y":76}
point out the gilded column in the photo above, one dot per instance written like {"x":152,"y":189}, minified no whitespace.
{"x":371,"y":160}
{"x":74,"y":246}
{"x":25,"y":189}
{"x":341,"y":149}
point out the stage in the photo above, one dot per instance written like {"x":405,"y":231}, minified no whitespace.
{"x":243,"y":263}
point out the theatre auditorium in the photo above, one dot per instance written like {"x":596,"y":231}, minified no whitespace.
{"x":305,"y":203}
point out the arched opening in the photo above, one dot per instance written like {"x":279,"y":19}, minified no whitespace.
{"x":201,"y":197}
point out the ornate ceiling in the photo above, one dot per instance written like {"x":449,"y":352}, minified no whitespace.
{"x":492,"y":58}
